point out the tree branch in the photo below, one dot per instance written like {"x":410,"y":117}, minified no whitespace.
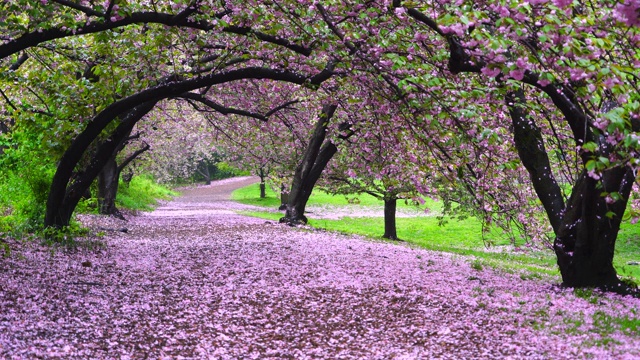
{"x":21,"y":60}
{"x":87,"y":10}
{"x":132,"y":157}
{"x":180,"y":20}
{"x":220,"y":108}
{"x":171,"y":87}
{"x":280,"y":107}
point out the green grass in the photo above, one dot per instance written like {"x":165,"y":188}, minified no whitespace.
{"x":463,"y":237}
{"x":250,"y":195}
{"x":628,"y":250}
{"x":142,"y":194}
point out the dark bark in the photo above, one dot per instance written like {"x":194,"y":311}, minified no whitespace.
{"x":284,"y":197}
{"x":203,"y":170}
{"x":586,"y":227}
{"x":40,"y":36}
{"x":263,"y":188}
{"x":108,"y":181}
{"x":108,"y":189}
{"x":21,"y":60}
{"x":64,"y":196}
{"x":585,"y":242}
{"x":528,"y":140}
{"x":127,"y":177}
{"x":390,"y":218}
{"x":263,"y":193}
{"x":316,"y":158}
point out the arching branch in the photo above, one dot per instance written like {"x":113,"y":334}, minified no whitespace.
{"x":181,"y":19}
{"x":133,"y":156}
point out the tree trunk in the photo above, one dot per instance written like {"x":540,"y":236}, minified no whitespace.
{"x":587,"y":226}
{"x":585,"y":242}
{"x":108,"y":189}
{"x":308,"y":172}
{"x":527,"y":137}
{"x":108,"y":181}
{"x":263,"y":188}
{"x":206,"y":174}
{"x":390,"y":218}
{"x":63,"y":199}
{"x":284,"y":197}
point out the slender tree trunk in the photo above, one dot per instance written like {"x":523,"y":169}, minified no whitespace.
{"x":206,"y":174}
{"x":263,"y":188}
{"x":308,"y":172}
{"x":108,"y":189}
{"x":284,"y":197}
{"x":390,"y":218}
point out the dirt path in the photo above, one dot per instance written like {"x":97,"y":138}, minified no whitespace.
{"x":195,"y":280}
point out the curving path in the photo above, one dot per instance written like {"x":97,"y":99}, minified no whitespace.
{"x":195,"y":280}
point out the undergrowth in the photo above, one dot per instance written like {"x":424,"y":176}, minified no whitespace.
{"x":23,"y":197}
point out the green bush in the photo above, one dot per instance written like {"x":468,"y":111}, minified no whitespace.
{"x":23,"y":197}
{"x":142,"y":193}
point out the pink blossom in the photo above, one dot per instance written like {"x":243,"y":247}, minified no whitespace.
{"x":491,"y":72}
{"x":517,"y":74}
{"x":522,"y":63}
{"x":400,"y":12}
{"x":629,"y":12}
{"x":593,"y":174}
{"x":577,"y":74}
{"x":419,"y":36}
{"x":562,"y":3}
{"x":543,"y":82}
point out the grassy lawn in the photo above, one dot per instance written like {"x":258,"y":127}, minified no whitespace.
{"x":463,"y":237}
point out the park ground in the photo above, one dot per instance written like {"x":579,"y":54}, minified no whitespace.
{"x":195,"y":279}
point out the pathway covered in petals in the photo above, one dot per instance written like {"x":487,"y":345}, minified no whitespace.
{"x":195,"y":280}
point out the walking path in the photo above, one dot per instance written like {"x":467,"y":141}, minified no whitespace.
{"x":195,"y":280}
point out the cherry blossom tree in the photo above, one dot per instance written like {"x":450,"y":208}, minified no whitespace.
{"x":583,"y":69}
{"x":562,"y":73}
{"x":374,"y":163}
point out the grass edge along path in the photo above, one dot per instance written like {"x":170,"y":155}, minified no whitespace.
{"x":459,"y":237}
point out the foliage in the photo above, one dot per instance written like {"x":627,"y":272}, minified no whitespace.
{"x":142,"y":193}
{"x":23,"y":193}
